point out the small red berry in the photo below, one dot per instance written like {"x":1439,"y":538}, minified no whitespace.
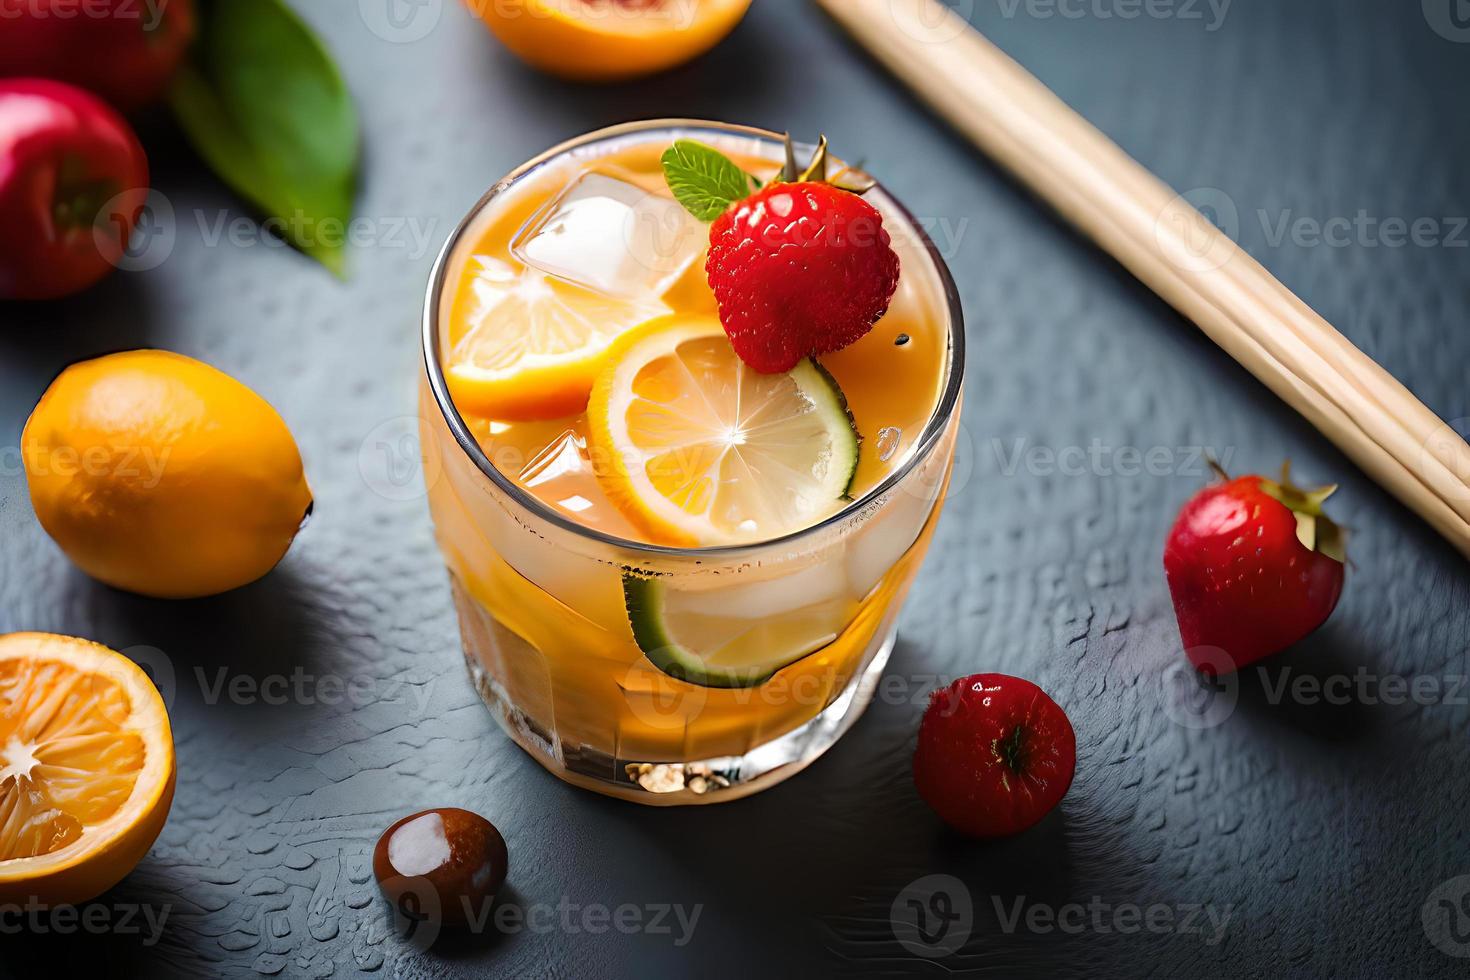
{"x":995,"y":755}
{"x":1253,"y":566}
{"x":800,"y":269}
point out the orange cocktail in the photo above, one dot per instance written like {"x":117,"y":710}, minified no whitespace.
{"x":673,"y":572}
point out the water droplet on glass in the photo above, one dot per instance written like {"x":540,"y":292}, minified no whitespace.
{"x":889,"y":439}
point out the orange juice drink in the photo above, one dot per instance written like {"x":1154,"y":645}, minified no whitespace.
{"x":677,"y":567}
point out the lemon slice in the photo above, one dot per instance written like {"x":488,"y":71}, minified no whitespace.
{"x":86,"y":768}
{"x":699,"y":449}
{"x":534,"y":344}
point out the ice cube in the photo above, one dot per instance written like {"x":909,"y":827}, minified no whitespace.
{"x":612,"y":237}
{"x":878,"y":545}
{"x":562,"y":474}
{"x":564,"y":457}
{"x":812,"y":586}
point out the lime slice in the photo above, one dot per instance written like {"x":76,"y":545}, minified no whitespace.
{"x":534,"y":345}
{"x":699,"y":449}
{"x":719,"y":639}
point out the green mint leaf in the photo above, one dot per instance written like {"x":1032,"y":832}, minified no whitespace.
{"x":263,"y":104}
{"x":703,"y":179}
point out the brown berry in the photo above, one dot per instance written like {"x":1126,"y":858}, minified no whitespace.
{"x":441,"y":865}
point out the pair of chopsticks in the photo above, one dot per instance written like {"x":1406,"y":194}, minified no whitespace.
{"x":1174,"y":250}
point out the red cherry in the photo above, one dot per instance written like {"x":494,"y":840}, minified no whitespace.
{"x":995,"y":755}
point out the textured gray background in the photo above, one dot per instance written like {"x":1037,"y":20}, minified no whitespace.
{"x":1323,"y":827}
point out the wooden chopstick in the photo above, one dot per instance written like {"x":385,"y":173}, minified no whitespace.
{"x":1174,"y":250}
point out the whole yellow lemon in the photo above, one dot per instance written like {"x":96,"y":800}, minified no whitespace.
{"x":160,"y":475}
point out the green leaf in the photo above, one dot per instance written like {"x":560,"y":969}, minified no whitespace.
{"x":703,"y":179}
{"x":265,"y":106}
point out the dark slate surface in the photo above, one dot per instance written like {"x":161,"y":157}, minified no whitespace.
{"x":1321,"y":829}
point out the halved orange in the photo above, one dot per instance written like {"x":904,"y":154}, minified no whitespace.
{"x":86,"y":768}
{"x":606,"y":40}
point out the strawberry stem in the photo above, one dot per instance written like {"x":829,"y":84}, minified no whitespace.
{"x":789,"y":174}
{"x":817,"y":170}
{"x":1314,"y":529}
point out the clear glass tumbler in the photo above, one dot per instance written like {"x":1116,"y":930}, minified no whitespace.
{"x":542,"y":600}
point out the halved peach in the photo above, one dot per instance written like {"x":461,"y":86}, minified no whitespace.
{"x":607,"y":40}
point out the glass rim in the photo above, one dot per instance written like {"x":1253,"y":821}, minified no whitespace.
{"x":433,"y":365}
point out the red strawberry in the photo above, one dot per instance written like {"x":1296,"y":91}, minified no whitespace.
{"x":1253,"y":565}
{"x":995,"y":755}
{"x":799,"y":269}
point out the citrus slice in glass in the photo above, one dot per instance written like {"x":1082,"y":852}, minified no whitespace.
{"x":698,"y":449}
{"x":534,"y":344}
{"x":738,"y":635}
{"x":86,"y":768}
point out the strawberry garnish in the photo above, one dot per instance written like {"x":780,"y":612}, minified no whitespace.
{"x":799,"y":267}
{"x":1254,"y":565}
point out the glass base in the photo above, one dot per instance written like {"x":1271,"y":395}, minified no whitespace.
{"x":717,"y":780}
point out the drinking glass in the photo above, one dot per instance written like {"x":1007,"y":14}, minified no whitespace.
{"x":541,"y":599}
